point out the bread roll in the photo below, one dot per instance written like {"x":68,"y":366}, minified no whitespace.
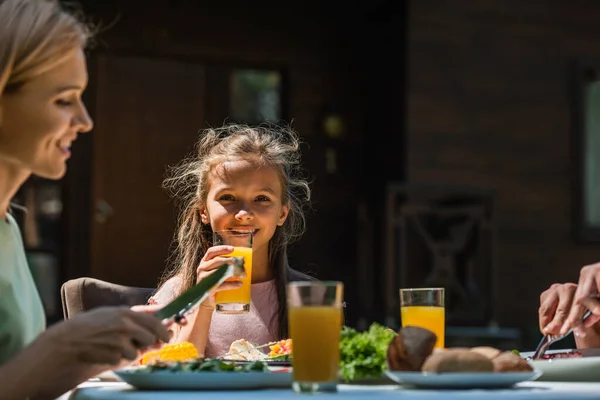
{"x":410,"y":348}
{"x":489,"y":352}
{"x":457,"y":360}
{"x":510,"y":362}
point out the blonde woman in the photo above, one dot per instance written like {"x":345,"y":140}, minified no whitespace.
{"x":42,"y":76}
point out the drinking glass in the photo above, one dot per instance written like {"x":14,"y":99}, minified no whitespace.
{"x":424,"y":308}
{"x":315,"y":322}
{"x":235,"y":301}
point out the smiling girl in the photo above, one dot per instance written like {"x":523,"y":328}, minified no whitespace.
{"x":241,"y":179}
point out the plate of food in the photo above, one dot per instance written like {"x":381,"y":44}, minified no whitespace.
{"x":568,"y":365}
{"x":462,"y":380}
{"x":204,"y":374}
{"x":412,"y":360}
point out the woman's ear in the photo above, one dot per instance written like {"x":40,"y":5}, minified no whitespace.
{"x":285,"y":210}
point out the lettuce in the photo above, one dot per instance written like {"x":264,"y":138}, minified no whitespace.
{"x":364,"y":354}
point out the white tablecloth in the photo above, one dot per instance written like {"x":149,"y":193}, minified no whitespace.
{"x":525,"y":391}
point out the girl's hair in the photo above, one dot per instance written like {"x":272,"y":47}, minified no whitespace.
{"x":35,"y":36}
{"x":268,"y":144}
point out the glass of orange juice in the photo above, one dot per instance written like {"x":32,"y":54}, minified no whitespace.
{"x":315,"y":322}
{"x":236,"y":301}
{"x":424,"y":308}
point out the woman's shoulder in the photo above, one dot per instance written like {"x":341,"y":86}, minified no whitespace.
{"x":295,"y":276}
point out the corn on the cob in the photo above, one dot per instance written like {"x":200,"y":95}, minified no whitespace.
{"x":171,"y":352}
{"x":280,"y":348}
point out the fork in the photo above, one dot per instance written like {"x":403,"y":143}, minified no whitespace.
{"x":548,"y":340}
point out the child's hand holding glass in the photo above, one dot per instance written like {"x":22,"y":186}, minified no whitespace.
{"x":213,"y":259}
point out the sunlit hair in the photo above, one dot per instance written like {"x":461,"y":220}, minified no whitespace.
{"x":36,"y":36}
{"x":270,"y":145}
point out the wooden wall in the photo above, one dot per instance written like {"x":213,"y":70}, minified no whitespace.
{"x":489,"y":106}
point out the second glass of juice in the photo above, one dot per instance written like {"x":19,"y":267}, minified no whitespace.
{"x":424,"y":308}
{"x":236,"y":301}
{"x":315,"y":322}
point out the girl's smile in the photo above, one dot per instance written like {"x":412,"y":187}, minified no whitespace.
{"x":244,"y":196}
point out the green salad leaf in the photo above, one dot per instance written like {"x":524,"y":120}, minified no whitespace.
{"x":255,"y":366}
{"x":208,"y":365}
{"x":364,"y":354}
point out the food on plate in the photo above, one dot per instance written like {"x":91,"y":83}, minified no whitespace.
{"x":457,"y":360}
{"x":508,"y":361}
{"x":566,"y":354}
{"x":281,"y":349}
{"x":202,"y":365}
{"x":410,"y":348}
{"x":504,"y":361}
{"x":363,"y":354}
{"x":244,"y":350}
{"x":171,"y":352}
{"x":489,"y":352}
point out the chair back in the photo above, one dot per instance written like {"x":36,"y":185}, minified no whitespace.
{"x":83,"y":294}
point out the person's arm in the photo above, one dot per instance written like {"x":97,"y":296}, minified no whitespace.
{"x":24,"y":375}
{"x":41,"y":372}
{"x":555,"y":305}
{"x":585,"y":297}
{"x":590,"y":339}
{"x":196,"y":329}
{"x":197,"y":323}
{"x":72,"y":351}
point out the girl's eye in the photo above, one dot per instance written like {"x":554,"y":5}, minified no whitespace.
{"x":63,"y":103}
{"x":262,"y":198}
{"x":226,"y":197}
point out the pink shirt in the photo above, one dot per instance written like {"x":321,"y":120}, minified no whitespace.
{"x":258,"y":326}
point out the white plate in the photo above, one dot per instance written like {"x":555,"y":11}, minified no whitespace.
{"x":582,"y":369}
{"x":205,"y":380}
{"x":106,"y":376}
{"x":462,"y":380}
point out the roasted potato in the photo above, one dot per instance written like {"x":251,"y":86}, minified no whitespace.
{"x":489,"y":352}
{"x":510,"y":362}
{"x":457,"y":360}
{"x":410,"y":348}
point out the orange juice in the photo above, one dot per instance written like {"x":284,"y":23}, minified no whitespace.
{"x":315,"y":333}
{"x":241,"y":295}
{"x":429,"y":317}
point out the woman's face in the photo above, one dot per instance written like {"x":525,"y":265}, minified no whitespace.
{"x":244,"y":197}
{"x":40,"y":120}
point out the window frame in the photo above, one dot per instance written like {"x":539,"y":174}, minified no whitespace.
{"x":585,"y":71}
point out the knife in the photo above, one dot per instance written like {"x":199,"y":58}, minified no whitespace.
{"x":189,"y":300}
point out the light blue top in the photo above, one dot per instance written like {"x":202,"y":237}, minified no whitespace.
{"x":22,"y":316}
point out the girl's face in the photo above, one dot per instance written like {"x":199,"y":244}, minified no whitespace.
{"x":245,"y":197}
{"x":40,"y":120}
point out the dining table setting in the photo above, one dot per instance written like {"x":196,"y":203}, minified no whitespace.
{"x":324,"y":358}
{"x":528,"y":390}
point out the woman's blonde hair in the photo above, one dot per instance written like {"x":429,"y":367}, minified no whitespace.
{"x":268,"y":144}
{"x":35,"y":36}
